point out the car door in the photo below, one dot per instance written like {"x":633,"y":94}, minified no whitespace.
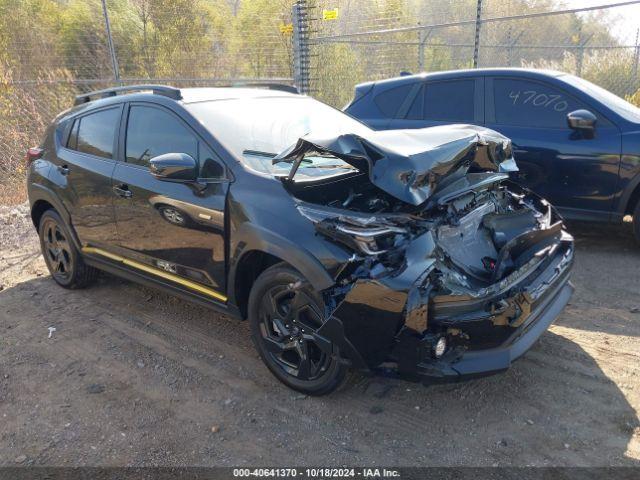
{"x":576,"y":172}
{"x":441,"y":102}
{"x":85,"y":163}
{"x":177,"y":227}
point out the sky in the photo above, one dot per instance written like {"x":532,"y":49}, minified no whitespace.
{"x":625,"y":20}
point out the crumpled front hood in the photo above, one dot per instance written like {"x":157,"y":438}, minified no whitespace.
{"x":410,"y":164}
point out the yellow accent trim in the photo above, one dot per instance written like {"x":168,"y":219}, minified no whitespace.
{"x":154,"y":271}
{"x":98,"y":251}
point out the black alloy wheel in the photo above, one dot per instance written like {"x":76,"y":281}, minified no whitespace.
{"x":60,"y":254}
{"x":57,"y":250}
{"x":285,"y":314}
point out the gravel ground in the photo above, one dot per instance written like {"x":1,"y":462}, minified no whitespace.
{"x":133,"y":377}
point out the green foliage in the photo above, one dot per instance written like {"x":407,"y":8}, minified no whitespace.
{"x":634,"y":98}
{"x":49,"y":49}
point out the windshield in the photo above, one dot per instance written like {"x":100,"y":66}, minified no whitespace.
{"x":257,"y":129}
{"x":623,"y":108}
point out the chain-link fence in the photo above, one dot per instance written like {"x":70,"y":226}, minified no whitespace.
{"x":358,"y":40}
{"x":52,"y":50}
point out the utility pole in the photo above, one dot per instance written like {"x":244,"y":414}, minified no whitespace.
{"x":301,"y":50}
{"x":635,"y":57}
{"x":112,"y":50}
{"x":476,"y":41}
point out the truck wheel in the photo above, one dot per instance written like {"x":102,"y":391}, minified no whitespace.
{"x":61,"y":256}
{"x":284,"y":314}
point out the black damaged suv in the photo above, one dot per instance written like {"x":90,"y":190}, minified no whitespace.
{"x":403,"y":252}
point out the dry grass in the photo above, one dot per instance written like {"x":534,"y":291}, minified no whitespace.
{"x":13,"y":193}
{"x":26,"y":109}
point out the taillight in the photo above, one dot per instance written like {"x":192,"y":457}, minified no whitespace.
{"x":34,"y":153}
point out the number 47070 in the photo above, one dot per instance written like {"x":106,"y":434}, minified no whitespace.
{"x":541,"y":100}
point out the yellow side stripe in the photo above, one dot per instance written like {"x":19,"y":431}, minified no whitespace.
{"x":157,"y":272}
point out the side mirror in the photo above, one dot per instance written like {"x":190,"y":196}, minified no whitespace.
{"x":174,"y":167}
{"x":581,"y":120}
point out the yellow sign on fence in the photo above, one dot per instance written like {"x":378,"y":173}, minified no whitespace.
{"x":330,"y":14}
{"x":286,"y":28}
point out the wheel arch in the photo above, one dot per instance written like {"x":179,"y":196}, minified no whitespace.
{"x":265,"y":248}
{"x":633,"y":199}
{"x":249,"y":268}
{"x":43,"y":199}
{"x":38,"y":209}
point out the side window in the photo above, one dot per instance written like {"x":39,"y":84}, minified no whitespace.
{"x":390,"y":101}
{"x":451,"y":101}
{"x":415,"y":111}
{"x":210,"y":166}
{"x":531,"y":104}
{"x":95,"y":133}
{"x":152,"y":132}
{"x":72,"y":143}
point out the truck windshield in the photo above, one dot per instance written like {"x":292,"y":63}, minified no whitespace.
{"x":256,"y":129}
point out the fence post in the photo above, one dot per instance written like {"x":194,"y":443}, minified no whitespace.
{"x":476,"y":40}
{"x":581,"y":55}
{"x":301,"y":53}
{"x":422,"y":38}
{"x":636,"y":54}
{"x":112,"y":50}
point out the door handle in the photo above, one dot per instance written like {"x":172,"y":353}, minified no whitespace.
{"x":63,"y":169}
{"x":123,"y":191}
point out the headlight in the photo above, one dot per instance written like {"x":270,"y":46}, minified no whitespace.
{"x":369,"y":234}
{"x":440,"y":347}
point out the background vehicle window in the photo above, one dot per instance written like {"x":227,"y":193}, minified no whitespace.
{"x":152,"y":132}
{"x":95,"y":133}
{"x":449,"y":101}
{"x":390,"y":101}
{"x":415,"y":111}
{"x":531,"y":104}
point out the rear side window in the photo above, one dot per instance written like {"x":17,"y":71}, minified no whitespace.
{"x":95,"y":133}
{"x":451,"y":101}
{"x":531,"y":104}
{"x":152,"y":132}
{"x":390,"y":100}
{"x":415,"y":111}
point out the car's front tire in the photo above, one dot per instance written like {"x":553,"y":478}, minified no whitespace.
{"x":60,"y":254}
{"x":284,"y":313}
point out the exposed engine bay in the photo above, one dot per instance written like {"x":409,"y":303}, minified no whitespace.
{"x":473,"y":235}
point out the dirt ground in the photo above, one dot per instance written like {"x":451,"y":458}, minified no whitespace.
{"x":135,"y":377}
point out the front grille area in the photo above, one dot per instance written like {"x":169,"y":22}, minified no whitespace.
{"x":477,"y":317}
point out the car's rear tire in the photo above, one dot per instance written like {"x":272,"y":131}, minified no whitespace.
{"x":636,"y":222}
{"x":284,"y":313}
{"x":60,"y":254}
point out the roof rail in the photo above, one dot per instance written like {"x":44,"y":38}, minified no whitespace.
{"x":163,"y":90}
{"x":283,"y":87}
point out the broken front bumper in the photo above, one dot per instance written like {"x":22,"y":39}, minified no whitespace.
{"x":378,"y":325}
{"x":476,"y":363}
